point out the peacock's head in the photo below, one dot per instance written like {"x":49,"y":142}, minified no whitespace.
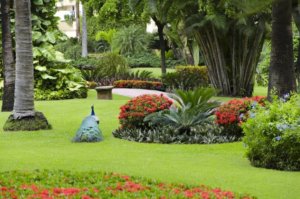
{"x":94,"y":115}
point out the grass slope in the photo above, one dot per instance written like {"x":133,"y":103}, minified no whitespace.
{"x":220,"y":165}
{"x":155,"y":71}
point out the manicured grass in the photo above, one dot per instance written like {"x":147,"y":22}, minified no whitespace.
{"x":218,"y":165}
{"x":155,"y":71}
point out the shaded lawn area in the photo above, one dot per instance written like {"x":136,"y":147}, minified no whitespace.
{"x":155,"y":71}
{"x":218,"y":165}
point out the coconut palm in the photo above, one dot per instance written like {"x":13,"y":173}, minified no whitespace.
{"x":24,"y":93}
{"x":24,"y":116}
{"x":84,"y":35}
{"x":8,"y":58}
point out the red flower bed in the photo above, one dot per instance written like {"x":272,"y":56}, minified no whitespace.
{"x":135,"y":110}
{"x":44,"y":185}
{"x":139,"y":84}
{"x":231,"y":114}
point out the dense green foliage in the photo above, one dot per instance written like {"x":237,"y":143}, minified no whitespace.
{"x":186,"y":78}
{"x":53,"y":75}
{"x":150,"y":59}
{"x":70,"y":48}
{"x":272,"y":135}
{"x":130,"y":40}
{"x":107,"y":65}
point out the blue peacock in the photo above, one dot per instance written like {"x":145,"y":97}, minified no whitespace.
{"x":89,"y":130}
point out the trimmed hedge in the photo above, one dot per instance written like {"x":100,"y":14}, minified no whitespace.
{"x":139,"y":84}
{"x":187,"y":78}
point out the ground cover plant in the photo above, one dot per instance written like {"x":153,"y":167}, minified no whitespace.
{"x":218,"y":165}
{"x":90,"y":185}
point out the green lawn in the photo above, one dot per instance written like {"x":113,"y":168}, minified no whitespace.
{"x":156,"y":71}
{"x":219,"y":165}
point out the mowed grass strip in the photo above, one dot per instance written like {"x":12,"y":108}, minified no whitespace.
{"x":218,"y":165}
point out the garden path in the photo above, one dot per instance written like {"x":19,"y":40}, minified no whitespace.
{"x":132,"y":92}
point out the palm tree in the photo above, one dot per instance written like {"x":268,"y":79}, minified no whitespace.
{"x":84,"y":34}
{"x":24,"y":93}
{"x":8,"y":58}
{"x":158,"y":10}
{"x":282,"y":74}
{"x":77,"y":19}
{"x":24,"y":116}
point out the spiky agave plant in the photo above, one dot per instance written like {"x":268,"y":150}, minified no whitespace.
{"x":193,"y":109}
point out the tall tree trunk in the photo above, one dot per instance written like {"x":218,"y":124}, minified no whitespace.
{"x":282,"y":73}
{"x":77,"y":19}
{"x":24,"y":93}
{"x":8,"y":58}
{"x":160,"y":30}
{"x":84,"y":34}
{"x":296,"y":17}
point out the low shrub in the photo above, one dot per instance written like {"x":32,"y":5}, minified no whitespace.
{"x":135,"y":110}
{"x":108,"y":65}
{"x":187,"y":78}
{"x":139,"y":84}
{"x":207,"y":133}
{"x":230,"y":115}
{"x":71,"y":48}
{"x":92,"y":185}
{"x":61,"y":82}
{"x":143,"y":59}
{"x":148,"y":59}
{"x":60,"y":94}
{"x":272,"y":135}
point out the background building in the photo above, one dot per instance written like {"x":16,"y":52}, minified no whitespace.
{"x":66,"y":13}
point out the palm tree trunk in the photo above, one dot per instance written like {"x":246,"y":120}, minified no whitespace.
{"x":77,"y":19}
{"x":24,"y":92}
{"x":282,"y":74}
{"x":8,"y":58}
{"x":160,"y":30}
{"x":84,"y":34}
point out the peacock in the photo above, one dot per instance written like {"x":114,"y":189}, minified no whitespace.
{"x":89,"y":130}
